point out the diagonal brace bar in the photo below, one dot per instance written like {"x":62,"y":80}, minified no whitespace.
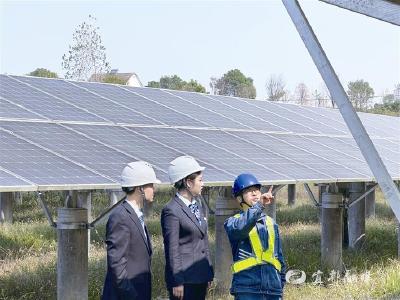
{"x":104,"y":213}
{"x":45,"y":210}
{"x":362,"y":196}
{"x":311,"y":195}
{"x":349,"y":115}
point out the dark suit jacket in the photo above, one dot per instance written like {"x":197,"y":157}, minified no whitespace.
{"x":187,"y":255}
{"x":128,"y":257}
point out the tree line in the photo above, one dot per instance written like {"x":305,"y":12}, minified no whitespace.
{"x":86,"y":57}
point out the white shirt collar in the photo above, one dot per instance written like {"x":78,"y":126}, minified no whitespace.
{"x":184,"y":200}
{"x":138,"y":212}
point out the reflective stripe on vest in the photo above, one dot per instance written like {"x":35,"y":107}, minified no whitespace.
{"x":261,"y":256}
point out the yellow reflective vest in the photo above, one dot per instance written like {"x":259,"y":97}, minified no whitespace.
{"x":261,"y":256}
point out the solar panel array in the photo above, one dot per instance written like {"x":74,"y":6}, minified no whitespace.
{"x":60,"y":134}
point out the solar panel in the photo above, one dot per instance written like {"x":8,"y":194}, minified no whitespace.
{"x":249,"y":119}
{"x":226,"y":164}
{"x":133,"y":145}
{"x":264,"y":115}
{"x":14,"y":111}
{"x":42,"y":167}
{"x":140,"y":104}
{"x":59,"y":134}
{"x":12,"y":182}
{"x":195,"y":110}
{"x":299,"y":115}
{"x":324,"y":168}
{"x":46,"y":105}
{"x":72,"y":145}
{"x":106,"y":109}
{"x":333,"y":117}
{"x":388,"y":126}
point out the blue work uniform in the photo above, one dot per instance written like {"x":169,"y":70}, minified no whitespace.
{"x":262,"y":280}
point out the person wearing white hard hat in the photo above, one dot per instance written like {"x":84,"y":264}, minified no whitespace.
{"x":188,"y":268}
{"x":128,"y":242}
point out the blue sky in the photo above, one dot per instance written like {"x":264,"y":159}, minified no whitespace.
{"x":201,"y":39}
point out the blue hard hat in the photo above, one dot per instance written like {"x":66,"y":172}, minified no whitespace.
{"x":243,"y":181}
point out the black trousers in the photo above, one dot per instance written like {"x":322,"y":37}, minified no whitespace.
{"x":192,"y":291}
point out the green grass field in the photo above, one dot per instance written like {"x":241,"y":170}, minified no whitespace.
{"x":28,"y":252}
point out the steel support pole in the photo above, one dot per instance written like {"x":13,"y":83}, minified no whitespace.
{"x":398,"y":228}
{"x":205,"y":200}
{"x":338,"y":93}
{"x":331,"y":231}
{"x":6,"y":207}
{"x":72,"y":254}
{"x":398,"y":240}
{"x":356,"y":216}
{"x":113,"y":197}
{"x":370,"y":201}
{"x":85,"y":201}
{"x":18,"y":198}
{"x":226,"y":207}
{"x":321,"y":189}
{"x":384,"y":10}
{"x":291,"y":189}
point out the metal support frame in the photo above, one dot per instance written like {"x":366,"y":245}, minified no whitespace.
{"x":356,"y":215}
{"x":291,"y":192}
{"x":277,"y":188}
{"x":311,"y":195}
{"x":80,"y":226}
{"x":113,"y":194}
{"x":383,"y":10}
{"x":350,"y":204}
{"x":6,"y":207}
{"x":370,"y":202}
{"x":205,"y":201}
{"x":105,"y":213}
{"x":45,"y":210}
{"x":339,"y":95}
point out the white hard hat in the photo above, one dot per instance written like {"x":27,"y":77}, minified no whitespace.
{"x":138,"y":173}
{"x":183,"y":166}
